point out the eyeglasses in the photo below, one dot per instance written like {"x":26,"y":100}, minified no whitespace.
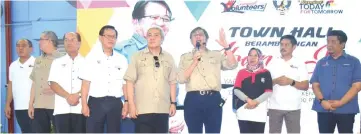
{"x":110,"y":37}
{"x":165,"y":19}
{"x":156,"y":59}
{"x":43,"y":39}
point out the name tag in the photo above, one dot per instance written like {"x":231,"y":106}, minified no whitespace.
{"x":293,"y":66}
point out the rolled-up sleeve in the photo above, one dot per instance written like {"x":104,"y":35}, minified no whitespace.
{"x":181,"y":68}
{"x":173,"y":74}
{"x":131,"y":73}
{"x":226,"y":65}
{"x":54,"y":70}
{"x":356,"y":74}
{"x":316,"y":73}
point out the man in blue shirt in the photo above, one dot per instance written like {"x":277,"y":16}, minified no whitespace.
{"x":336,"y":81}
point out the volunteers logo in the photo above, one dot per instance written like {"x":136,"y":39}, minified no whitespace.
{"x":242,"y":7}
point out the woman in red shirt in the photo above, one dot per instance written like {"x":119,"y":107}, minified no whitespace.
{"x":252,"y":88}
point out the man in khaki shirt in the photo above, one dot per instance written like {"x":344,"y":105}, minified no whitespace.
{"x":200,"y":70}
{"x":151,"y":86}
{"x":41,"y":104}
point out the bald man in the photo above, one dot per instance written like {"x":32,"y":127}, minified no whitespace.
{"x":63,"y":80}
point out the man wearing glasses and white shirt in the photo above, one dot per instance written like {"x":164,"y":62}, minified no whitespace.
{"x":103,"y":83}
{"x":63,"y":80}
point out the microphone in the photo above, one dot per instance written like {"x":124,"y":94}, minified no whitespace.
{"x":198,"y":45}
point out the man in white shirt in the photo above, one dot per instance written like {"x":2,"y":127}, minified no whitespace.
{"x":290,"y":78}
{"x":64,"y":81}
{"x":103,"y":84}
{"x":20,"y":85}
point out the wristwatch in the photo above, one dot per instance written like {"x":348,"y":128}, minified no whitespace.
{"x":175,"y":103}
{"x":293,"y":83}
{"x":125,"y":100}
{"x":321,"y":100}
{"x":228,"y":48}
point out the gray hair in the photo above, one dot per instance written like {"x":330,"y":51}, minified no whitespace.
{"x":52,"y":37}
{"x":160,"y":30}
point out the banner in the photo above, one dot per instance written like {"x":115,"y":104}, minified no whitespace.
{"x":247,"y":23}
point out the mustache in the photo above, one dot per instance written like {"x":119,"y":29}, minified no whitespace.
{"x":283,"y":50}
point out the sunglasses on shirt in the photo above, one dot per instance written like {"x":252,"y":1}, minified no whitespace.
{"x":156,"y":59}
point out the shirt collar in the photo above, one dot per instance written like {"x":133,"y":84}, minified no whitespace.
{"x":53,"y":55}
{"x":105,"y":54}
{"x":27,"y":61}
{"x":76,"y":57}
{"x":141,"y":42}
{"x":195,"y":50}
{"x":344,"y":55}
{"x":146,"y":50}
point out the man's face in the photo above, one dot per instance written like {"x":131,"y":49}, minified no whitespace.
{"x":23,"y":48}
{"x":334,"y":45}
{"x":108,"y":38}
{"x":71,"y":43}
{"x":286,"y":47}
{"x":198,"y":36}
{"x":154,"y":38}
{"x":155,"y":15}
{"x":45,"y":44}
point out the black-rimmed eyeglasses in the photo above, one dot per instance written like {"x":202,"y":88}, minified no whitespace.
{"x":156,"y":60}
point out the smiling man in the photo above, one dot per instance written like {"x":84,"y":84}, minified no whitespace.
{"x":336,"y":82}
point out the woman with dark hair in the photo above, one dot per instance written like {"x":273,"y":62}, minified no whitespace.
{"x":252,"y":88}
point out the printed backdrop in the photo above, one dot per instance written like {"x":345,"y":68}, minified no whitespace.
{"x":248,"y":23}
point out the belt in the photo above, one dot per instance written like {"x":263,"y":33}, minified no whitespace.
{"x":204,"y":92}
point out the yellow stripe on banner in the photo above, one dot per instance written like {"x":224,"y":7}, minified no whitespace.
{"x":89,"y":22}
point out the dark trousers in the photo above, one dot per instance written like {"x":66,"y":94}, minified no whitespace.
{"x":251,"y":127}
{"x":70,"y":123}
{"x":203,"y":109}
{"x":43,"y":118}
{"x":104,"y":110}
{"x":127,"y":126}
{"x":152,"y":123}
{"x":328,"y":121}
{"x":23,"y":120}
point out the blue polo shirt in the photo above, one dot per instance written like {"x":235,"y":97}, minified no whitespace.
{"x":336,"y":77}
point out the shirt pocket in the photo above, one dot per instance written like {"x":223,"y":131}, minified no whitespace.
{"x":145,"y":66}
{"x":345,"y":72}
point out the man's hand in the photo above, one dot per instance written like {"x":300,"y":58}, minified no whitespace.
{"x":85,"y":110}
{"x":327,"y":105}
{"x":222,"y":39}
{"x":73,"y":99}
{"x":335,"y":104}
{"x":284,"y":81}
{"x":31,"y":111}
{"x":8,"y":111}
{"x":172,"y":110}
{"x":196,"y":56}
{"x":125,"y":110}
{"x":133,"y":111}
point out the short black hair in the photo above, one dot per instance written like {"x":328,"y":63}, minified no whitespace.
{"x":196,"y":29}
{"x":27,"y":40}
{"x":139,"y":8}
{"x":291,"y":38}
{"x":101,"y":32}
{"x":77,"y":36}
{"x":341,"y":36}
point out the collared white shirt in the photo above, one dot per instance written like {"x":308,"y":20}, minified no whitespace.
{"x":287,"y":97}
{"x":65,"y":71}
{"x":21,"y":83}
{"x":105,"y":73}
